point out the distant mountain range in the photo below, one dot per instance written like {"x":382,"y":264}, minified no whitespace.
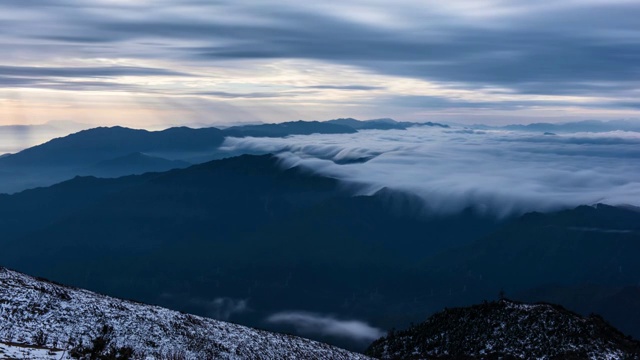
{"x":507,"y":330}
{"x":571,"y":127}
{"x":289,"y":128}
{"x":40,"y":315}
{"x":108,"y":152}
{"x":246,"y":228}
{"x":14,"y":138}
{"x":91,"y":146}
{"x":118,"y":151}
{"x":381,"y":124}
{"x":133,"y":164}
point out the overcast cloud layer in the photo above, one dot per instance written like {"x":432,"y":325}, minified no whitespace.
{"x":496,"y":171}
{"x":171,"y":62}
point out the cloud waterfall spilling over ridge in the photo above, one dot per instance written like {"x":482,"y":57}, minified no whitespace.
{"x":501,"y":172}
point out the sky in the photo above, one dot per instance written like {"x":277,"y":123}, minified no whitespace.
{"x":163,"y":63}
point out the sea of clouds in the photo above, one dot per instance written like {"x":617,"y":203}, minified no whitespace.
{"x":497,"y":171}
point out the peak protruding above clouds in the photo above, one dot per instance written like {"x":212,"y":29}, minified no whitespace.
{"x":103,"y":151}
{"x":382,"y":124}
{"x":99,"y":144}
{"x":85,"y":153}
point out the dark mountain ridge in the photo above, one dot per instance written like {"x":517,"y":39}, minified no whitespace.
{"x":507,"y":330}
{"x":134,"y":164}
{"x":268,"y":230}
{"x":94,"y":145}
{"x":271,"y":231}
{"x":84,"y":153}
{"x":381,"y":124}
{"x":104,"y":143}
{"x":110,"y":151}
{"x":587,"y":246}
{"x":289,"y":128}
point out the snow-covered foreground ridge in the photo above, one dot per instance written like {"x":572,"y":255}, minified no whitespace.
{"x":21,"y":352}
{"x":35,"y":311}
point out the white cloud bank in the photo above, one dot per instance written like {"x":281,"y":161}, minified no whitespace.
{"x":497,"y":171}
{"x":310,"y":323}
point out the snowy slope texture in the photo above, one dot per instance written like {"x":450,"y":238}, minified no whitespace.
{"x":38,"y":312}
{"x":507,"y":330}
{"x":13,"y":351}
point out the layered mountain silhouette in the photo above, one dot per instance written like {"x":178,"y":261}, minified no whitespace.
{"x":507,"y":330}
{"x":289,"y":128}
{"x":376,"y":124}
{"x":242,"y":227}
{"x":89,"y":147}
{"x":247,"y":228}
{"x":13,"y":138}
{"x":104,"y":152}
{"x":381,"y":124}
{"x":118,"y":151}
{"x":572,"y":127}
{"x":134,"y":163}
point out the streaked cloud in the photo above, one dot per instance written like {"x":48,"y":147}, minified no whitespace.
{"x":472,"y":59}
{"x":317,"y":324}
{"x":254,"y":95}
{"x":84,"y":72}
{"x":346,"y":87}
